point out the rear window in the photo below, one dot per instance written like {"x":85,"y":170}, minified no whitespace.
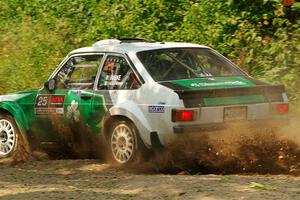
{"x":186,"y":63}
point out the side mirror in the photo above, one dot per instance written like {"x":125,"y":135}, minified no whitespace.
{"x":50,"y":85}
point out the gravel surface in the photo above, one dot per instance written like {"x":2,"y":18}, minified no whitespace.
{"x":90,"y":179}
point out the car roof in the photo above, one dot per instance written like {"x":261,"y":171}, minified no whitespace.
{"x":132,"y":45}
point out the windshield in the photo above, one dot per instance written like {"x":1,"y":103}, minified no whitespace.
{"x":186,"y":63}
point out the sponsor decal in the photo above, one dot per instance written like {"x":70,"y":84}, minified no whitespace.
{"x":57,"y":100}
{"x":156,"y":109}
{"x":115,"y":77}
{"x":49,"y":104}
{"x":111,"y":80}
{"x":218,"y":84}
{"x":72,"y":112}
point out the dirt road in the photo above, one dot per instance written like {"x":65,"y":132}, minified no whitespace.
{"x":89,"y":179}
{"x":228,"y":153}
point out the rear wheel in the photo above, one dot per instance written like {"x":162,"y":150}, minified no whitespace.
{"x":125,"y":144}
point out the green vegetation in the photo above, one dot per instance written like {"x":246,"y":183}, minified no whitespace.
{"x":259,"y":186}
{"x":35,"y":35}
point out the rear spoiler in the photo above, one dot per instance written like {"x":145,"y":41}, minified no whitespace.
{"x":191,"y":98}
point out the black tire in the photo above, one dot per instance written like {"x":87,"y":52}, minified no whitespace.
{"x":13,"y":145}
{"x":125,"y":145}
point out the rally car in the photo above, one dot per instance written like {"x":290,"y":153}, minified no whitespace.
{"x":136,"y":94}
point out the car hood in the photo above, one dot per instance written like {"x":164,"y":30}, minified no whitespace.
{"x":17,"y":96}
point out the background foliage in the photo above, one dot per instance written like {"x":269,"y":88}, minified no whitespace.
{"x":35,"y":35}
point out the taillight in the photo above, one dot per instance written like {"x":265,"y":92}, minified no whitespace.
{"x":183,"y":115}
{"x":283,"y":108}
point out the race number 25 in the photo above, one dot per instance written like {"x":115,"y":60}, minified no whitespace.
{"x":42,"y":101}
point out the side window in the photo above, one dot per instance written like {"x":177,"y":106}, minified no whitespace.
{"x":117,"y":74}
{"x":79,"y":72}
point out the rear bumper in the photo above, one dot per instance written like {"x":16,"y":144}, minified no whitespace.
{"x":254,"y":124}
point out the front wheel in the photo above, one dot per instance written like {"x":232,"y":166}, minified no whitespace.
{"x":12,"y":143}
{"x":8,"y":136}
{"x":124,"y":142}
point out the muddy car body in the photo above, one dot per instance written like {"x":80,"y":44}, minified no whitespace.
{"x":137,"y":93}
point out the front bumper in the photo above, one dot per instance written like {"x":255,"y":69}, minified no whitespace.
{"x":254,"y":124}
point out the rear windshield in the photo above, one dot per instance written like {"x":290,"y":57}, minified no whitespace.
{"x":186,"y":63}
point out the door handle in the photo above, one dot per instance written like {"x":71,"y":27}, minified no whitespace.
{"x":85,"y":97}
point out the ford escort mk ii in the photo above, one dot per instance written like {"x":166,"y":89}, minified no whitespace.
{"x":136,"y":94}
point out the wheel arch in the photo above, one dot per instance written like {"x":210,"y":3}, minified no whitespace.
{"x":17,"y":113}
{"x":110,"y":120}
{"x":114,"y":118}
{"x":4,"y":111}
{"x":132,"y":114}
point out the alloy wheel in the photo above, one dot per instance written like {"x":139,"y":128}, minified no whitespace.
{"x":7,"y":138}
{"x":122,"y":143}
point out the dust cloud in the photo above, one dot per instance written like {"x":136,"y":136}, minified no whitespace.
{"x":237,"y":149}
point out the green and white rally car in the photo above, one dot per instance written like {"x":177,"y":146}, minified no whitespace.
{"x":136,"y":93}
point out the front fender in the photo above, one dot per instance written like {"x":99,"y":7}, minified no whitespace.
{"x":16,"y":111}
{"x":130,"y":110}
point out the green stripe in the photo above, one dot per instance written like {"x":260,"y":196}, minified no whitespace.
{"x":250,"y":99}
{"x":215,"y":82}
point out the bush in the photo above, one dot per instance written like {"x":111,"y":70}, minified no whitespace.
{"x":36,"y":35}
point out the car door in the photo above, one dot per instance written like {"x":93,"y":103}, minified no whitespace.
{"x":69,"y":105}
{"x":116,"y":81}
